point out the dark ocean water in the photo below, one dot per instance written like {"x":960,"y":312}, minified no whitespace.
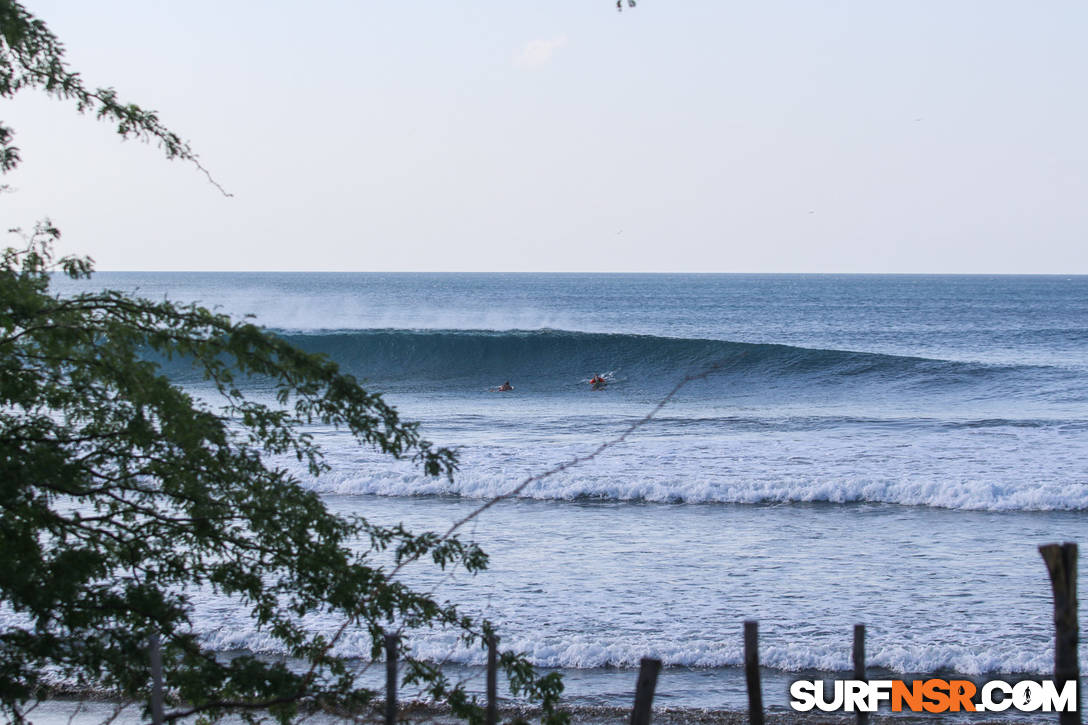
{"x":879,"y":449}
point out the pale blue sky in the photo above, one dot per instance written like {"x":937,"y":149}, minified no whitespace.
{"x":560,"y":135}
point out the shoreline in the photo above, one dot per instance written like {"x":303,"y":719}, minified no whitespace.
{"x":64,"y":709}
{"x":587,"y":702}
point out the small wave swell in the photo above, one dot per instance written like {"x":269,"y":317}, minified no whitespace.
{"x":965,"y":494}
{"x":583,"y":651}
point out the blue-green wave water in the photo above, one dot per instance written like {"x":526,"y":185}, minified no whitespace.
{"x":882,"y":449}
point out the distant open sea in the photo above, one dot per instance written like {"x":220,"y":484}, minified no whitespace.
{"x":881,"y":449}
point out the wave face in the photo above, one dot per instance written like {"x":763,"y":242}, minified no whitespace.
{"x":774,"y":424}
{"x":558,"y":360}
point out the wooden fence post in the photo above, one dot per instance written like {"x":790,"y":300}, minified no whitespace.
{"x":644,"y":691}
{"x":1061,"y":564}
{"x":390,"y":679}
{"x":492,"y":681}
{"x":154,"y":651}
{"x":751,"y":672}
{"x":859,"y":664}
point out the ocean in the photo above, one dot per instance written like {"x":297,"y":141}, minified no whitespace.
{"x":878,"y":449}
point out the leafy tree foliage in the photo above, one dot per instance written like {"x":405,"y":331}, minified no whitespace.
{"x":32,"y":57}
{"x":122,"y":495}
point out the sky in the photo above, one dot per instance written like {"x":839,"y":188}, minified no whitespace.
{"x":921,"y":136}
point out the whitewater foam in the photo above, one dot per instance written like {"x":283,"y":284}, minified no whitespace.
{"x":584,"y":651}
{"x":692,"y":476}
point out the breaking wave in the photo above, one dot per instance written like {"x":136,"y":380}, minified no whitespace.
{"x":559,"y":360}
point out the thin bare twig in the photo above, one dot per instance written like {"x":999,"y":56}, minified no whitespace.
{"x":79,"y":708}
{"x":578,"y":460}
{"x":570,"y":463}
{"x":117,"y":710}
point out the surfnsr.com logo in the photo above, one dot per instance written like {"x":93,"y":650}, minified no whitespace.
{"x":933,"y":695}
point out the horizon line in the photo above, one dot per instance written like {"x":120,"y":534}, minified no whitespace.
{"x":587,"y":273}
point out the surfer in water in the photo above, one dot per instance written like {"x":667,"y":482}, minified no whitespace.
{"x":503,"y":388}
{"x":597,"y":382}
